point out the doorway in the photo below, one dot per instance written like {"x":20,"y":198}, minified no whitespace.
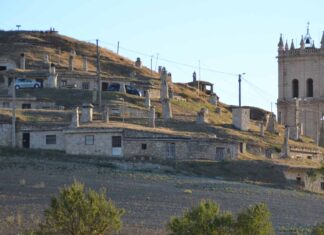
{"x":104,"y":86}
{"x":26,"y":140}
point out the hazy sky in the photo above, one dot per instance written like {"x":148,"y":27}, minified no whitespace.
{"x":225,"y":36}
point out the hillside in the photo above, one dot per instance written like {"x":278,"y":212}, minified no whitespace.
{"x":115,"y":67}
{"x":36,"y":44}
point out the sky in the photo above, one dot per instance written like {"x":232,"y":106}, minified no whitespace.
{"x":217,"y":39}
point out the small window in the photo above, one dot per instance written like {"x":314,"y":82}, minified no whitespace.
{"x":51,"y":139}
{"x":309,"y":87}
{"x":26,"y":106}
{"x":279,"y":117}
{"x":171,"y":150}
{"x":322,"y":185}
{"x":89,"y":140}
{"x":85,"y":85}
{"x":5,"y":105}
{"x":63,"y":83}
{"x":299,"y":180}
{"x":144,"y":146}
{"x":116,"y":141}
{"x":295,"y":88}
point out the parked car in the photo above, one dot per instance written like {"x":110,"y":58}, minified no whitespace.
{"x":26,"y":83}
{"x":132,"y":90}
{"x":114,"y":87}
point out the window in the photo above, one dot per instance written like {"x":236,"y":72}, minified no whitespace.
{"x":295,"y":88}
{"x":171,"y":150}
{"x":5,"y":105}
{"x":279,"y":117}
{"x":322,"y":185}
{"x":50,"y":139}
{"x":85,"y":85}
{"x":26,"y":106}
{"x":63,"y":83}
{"x":3,"y":68}
{"x":116,"y":141}
{"x":89,"y":140}
{"x":144,"y":146}
{"x":299,"y":180}
{"x":220,"y":153}
{"x":309,"y":87}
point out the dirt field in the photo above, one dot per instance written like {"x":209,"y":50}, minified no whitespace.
{"x":149,"y":195}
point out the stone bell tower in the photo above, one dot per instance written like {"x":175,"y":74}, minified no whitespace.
{"x":300,"y":101}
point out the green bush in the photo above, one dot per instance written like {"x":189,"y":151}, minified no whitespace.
{"x":207,"y":219}
{"x":254,"y":221}
{"x":318,"y":230}
{"x":76,"y":211}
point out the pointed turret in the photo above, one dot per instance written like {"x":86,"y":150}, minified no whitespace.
{"x":280,"y":44}
{"x":322,"y":41}
{"x":308,"y":38}
{"x":292,"y":45}
{"x":302,"y":42}
{"x":286,"y":46}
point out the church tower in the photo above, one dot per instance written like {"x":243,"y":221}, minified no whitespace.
{"x":300,"y":101}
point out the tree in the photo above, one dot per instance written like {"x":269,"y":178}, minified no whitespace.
{"x":79,"y":212}
{"x":206,"y":219}
{"x":318,"y":230}
{"x":254,"y":221}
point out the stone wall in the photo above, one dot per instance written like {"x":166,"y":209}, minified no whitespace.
{"x":75,"y":142}
{"x":5,"y":134}
{"x":34,"y":104}
{"x":38,"y":139}
{"x":241,"y":118}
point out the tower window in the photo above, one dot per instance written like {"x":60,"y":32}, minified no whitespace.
{"x":310,"y":87}
{"x":295,"y":88}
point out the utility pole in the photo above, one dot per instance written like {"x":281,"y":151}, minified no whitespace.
{"x":13,"y":128}
{"x":117,"y":47}
{"x":239,"y":81}
{"x":98,"y":76}
{"x":151,"y":63}
{"x":198,"y":77}
{"x":157,"y":58}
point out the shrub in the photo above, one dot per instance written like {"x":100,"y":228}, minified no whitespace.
{"x":254,"y":221}
{"x":76,"y":211}
{"x":206,"y":219}
{"x":318,"y":230}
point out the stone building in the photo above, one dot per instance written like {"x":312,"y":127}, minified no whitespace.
{"x":300,"y":101}
{"x":115,"y":139}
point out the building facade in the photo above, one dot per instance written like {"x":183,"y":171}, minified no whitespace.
{"x":300,"y":101}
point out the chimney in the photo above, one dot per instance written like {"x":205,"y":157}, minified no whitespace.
{"x":87,"y":112}
{"x":75,"y":118}
{"x":46,"y":58}
{"x":138,"y":63}
{"x":22,"y":61}
{"x":71,"y":63}
{"x":52,"y":69}
{"x":85,"y":63}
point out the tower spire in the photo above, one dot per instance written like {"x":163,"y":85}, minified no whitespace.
{"x":322,"y":41}
{"x":308,"y":38}
{"x":286,"y":46}
{"x":302,"y":42}
{"x":292,"y":45}
{"x":280,"y":44}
